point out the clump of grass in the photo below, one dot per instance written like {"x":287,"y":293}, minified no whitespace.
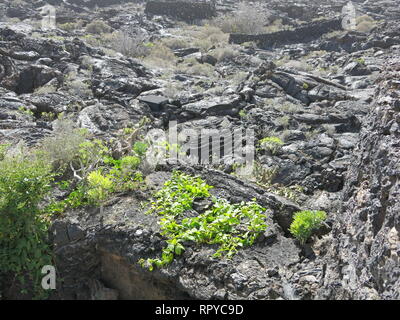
{"x":175,"y":43}
{"x":161,"y":56}
{"x":305,"y":223}
{"x":193,"y":67}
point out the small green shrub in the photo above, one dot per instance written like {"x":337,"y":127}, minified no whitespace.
{"x":305,"y":222}
{"x":272,"y":144}
{"x":99,"y":187}
{"x":242,"y":114}
{"x":140,"y":148}
{"x":129,"y":163}
{"x":91,"y":154}
{"x":26,"y":111}
{"x":24,"y":182}
{"x":360,"y":61}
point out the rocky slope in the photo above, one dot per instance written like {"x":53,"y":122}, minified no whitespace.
{"x":331,"y":97}
{"x":365,"y":244}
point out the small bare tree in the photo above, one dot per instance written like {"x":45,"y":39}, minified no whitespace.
{"x":131,"y":44}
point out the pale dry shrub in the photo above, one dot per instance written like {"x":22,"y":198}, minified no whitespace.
{"x":365,"y":24}
{"x":131,"y":46}
{"x":297,"y":65}
{"x":193,"y":67}
{"x":248,"y":19}
{"x":76,"y":86}
{"x":71,"y":26}
{"x":225,"y":53}
{"x":173,"y":90}
{"x":210,"y":36}
{"x":98,"y":27}
{"x":175,"y":43}
{"x":62,"y":147}
{"x":160,"y":56}
{"x":277,"y":25}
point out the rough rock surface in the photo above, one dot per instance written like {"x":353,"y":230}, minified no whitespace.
{"x":183,"y":10}
{"x":365,"y":246}
{"x":302,"y":34}
{"x":332,"y":98}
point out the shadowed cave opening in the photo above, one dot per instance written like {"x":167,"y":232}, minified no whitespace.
{"x":134,"y":283}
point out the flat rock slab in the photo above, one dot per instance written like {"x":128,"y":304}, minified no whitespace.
{"x":154,"y":102}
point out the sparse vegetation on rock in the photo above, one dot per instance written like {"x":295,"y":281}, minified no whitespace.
{"x":114,"y":109}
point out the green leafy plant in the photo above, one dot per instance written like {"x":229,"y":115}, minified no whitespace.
{"x":24,"y":182}
{"x":48,"y":116}
{"x":99,"y":187}
{"x":231,"y":226}
{"x":26,"y":111}
{"x":360,"y":61}
{"x":179,"y":194}
{"x":140,"y":148}
{"x":129,"y":163}
{"x":124,"y":173}
{"x":3,"y":150}
{"x":305,"y":222}
{"x":91,"y":154}
{"x":242,"y":114}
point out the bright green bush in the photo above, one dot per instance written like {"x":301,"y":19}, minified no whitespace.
{"x":99,"y":187}
{"x":129,"y":163}
{"x":24,"y":182}
{"x":305,"y":222}
{"x":273,"y":144}
{"x":140,"y":148}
